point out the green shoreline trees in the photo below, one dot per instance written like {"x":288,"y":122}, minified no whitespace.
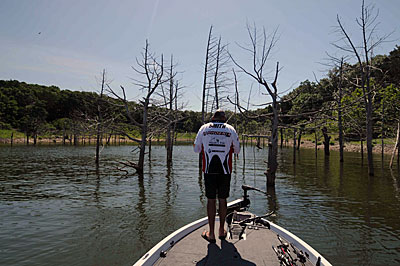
{"x":37,"y":110}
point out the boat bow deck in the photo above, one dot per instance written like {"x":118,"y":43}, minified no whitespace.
{"x":255,"y":250}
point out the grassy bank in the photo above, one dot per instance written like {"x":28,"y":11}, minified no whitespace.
{"x":307,"y":141}
{"x":20,"y":138}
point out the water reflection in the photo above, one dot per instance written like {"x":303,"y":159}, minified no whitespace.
{"x":341,"y":173}
{"x":396,"y":183}
{"x":106,"y":218}
{"x":272,"y":200}
{"x":143,"y":219}
{"x":202,"y":189}
{"x":97,"y":188}
{"x":168,"y":200}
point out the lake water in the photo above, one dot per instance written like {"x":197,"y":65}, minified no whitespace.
{"x":56,"y":208}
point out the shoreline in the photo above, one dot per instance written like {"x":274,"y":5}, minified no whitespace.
{"x":307,"y":144}
{"x":348,"y":147}
{"x":80,"y":141}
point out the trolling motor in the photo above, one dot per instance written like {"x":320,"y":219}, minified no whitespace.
{"x":243,"y":204}
{"x":240,"y":218}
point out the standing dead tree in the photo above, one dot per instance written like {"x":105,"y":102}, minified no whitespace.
{"x":337,"y":81}
{"x":259,"y":58}
{"x":168,"y":114}
{"x":363,"y":53}
{"x":327,"y":139}
{"x":99,"y":117}
{"x":152,"y":69}
{"x":172,"y":97}
{"x":215,"y":80}
{"x":206,"y":73}
{"x":339,"y":106}
{"x":220,"y":79}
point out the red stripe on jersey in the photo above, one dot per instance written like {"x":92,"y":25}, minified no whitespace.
{"x":203,"y":156}
{"x":230,"y":159}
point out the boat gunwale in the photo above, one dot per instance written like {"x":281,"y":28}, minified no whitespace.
{"x":298,"y":243}
{"x":151,"y":257}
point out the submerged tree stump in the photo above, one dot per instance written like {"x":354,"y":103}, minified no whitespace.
{"x":327,"y":140}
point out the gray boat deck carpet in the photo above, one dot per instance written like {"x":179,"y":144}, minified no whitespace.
{"x":255,"y":250}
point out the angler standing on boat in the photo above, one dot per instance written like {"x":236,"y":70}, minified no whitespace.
{"x":217,"y":140}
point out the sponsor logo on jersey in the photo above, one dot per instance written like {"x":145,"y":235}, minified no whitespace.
{"x":227,"y":134}
{"x":218,"y":125}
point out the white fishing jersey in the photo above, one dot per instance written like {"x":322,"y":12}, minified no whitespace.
{"x":217,"y":141}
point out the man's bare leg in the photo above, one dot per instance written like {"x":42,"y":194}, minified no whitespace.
{"x":211,"y":210}
{"x":222,"y":214}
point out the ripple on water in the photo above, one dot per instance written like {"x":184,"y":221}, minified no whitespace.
{"x":60,"y":209}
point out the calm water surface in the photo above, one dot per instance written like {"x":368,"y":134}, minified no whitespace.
{"x":56,"y":208}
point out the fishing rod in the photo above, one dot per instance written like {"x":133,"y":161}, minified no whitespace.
{"x":284,"y":247}
{"x":300,"y":254}
{"x":283,"y":260}
{"x":242,"y":219}
{"x":284,"y":254}
{"x":257,"y":219}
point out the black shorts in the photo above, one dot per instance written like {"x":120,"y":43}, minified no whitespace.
{"x":217,"y":184}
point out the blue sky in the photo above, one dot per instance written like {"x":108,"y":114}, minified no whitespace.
{"x":79,"y":38}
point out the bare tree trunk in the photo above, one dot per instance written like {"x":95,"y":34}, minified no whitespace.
{"x":339,"y":102}
{"x":109,"y":139}
{"x":205,"y":75}
{"x":369,"y":136}
{"x":398,"y":152}
{"x":64,"y":134}
{"x":150,"y":141}
{"x":273,"y":147}
{"x":396,"y":146}
{"x":12,"y":138}
{"x":294,"y":145}
{"x":327,"y":140}
{"x":362,"y":149}
{"x":281,"y":138}
{"x":169,"y":141}
{"x":142,"y":145}
{"x":383,"y":129}
{"x":398,"y":155}
{"x":299,"y":139}
{"x":316,"y":139}
{"x":341,"y":153}
{"x":169,"y":145}
{"x":205,"y":87}
{"x":286,"y":139}
{"x":99,"y":117}
{"x":216,"y":74}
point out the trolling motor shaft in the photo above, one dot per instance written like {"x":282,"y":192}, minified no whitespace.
{"x":247,"y":188}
